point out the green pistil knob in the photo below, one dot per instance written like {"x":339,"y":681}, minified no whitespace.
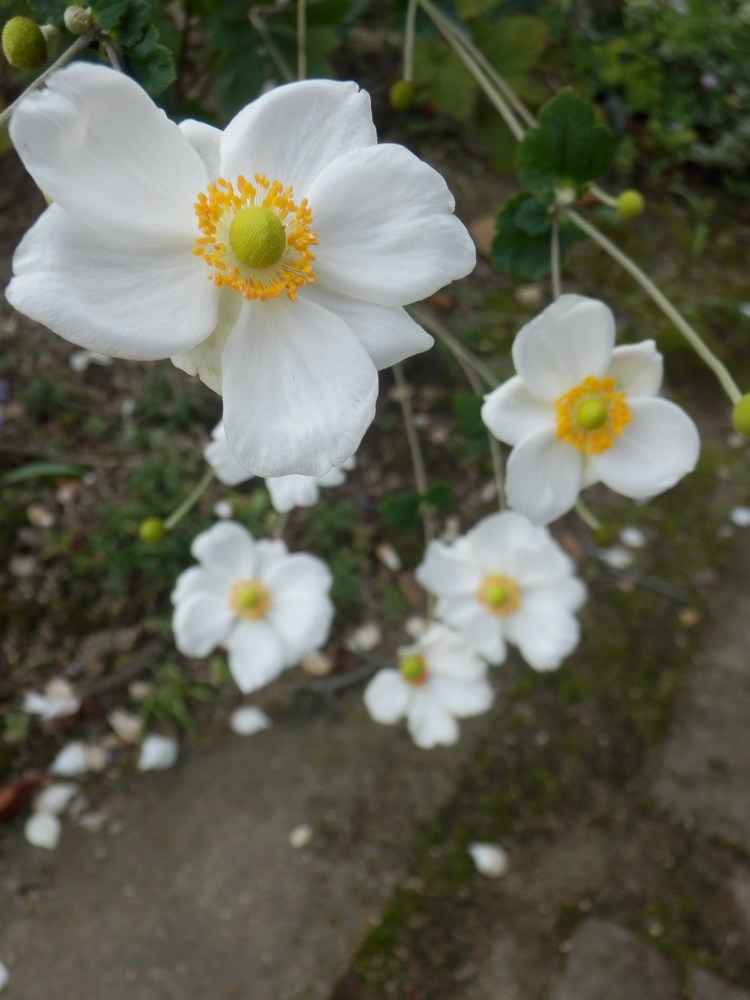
{"x":257,"y":237}
{"x":630,"y":204}
{"x":604,"y":536}
{"x":592,"y":414}
{"x":77,"y":19}
{"x":412,"y":669}
{"x":250,"y":597}
{"x":152,"y":530}
{"x":23,"y":43}
{"x":496,"y":595}
{"x":401,"y":95}
{"x":741,"y":416}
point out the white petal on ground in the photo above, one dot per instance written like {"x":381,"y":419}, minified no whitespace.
{"x":634,"y":538}
{"x":429,"y":723}
{"x":43,"y":830}
{"x":4,"y":976}
{"x":98,"y":146}
{"x":299,"y":389}
{"x":618,"y":557}
{"x":227,"y":551}
{"x":158,"y":753}
{"x":218,"y":455}
{"x":386,"y":229}
{"x":288,"y":492}
{"x":365,"y":638}
{"x":293,"y":132}
{"x":58,"y":701}
{"x":511,"y":413}
{"x":56,"y":798}
{"x":543,"y":477}
{"x":658,"y":447}
{"x":740,"y":516}
{"x":387,"y":697}
{"x":300,"y":836}
{"x":127,"y":725}
{"x":201,"y":621}
{"x":71,"y":761}
{"x":387,"y":333}
{"x":248,"y":720}
{"x":490,"y":859}
{"x":256,"y":655}
{"x":637,"y":369}
{"x":571,"y":339}
{"x":79,"y":283}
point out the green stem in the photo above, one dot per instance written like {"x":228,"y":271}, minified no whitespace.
{"x":589,"y":519}
{"x":301,"y":39}
{"x":555,"y":257}
{"x":190,"y":501}
{"x":256,"y":19}
{"x":455,"y":345}
{"x":78,"y":46}
{"x":409,"y":33}
{"x":415,"y":449}
{"x":692,"y":337}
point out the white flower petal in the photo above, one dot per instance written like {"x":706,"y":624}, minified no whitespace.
{"x":291,"y":133}
{"x":501,"y":543}
{"x":490,"y":859}
{"x":543,"y":477}
{"x":387,"y":697}
{"x":301,"y":619}
{"x":387,"y":333}
{"x":449,"y":570}
{"x":448,"y":654}
{"x":511,"y":413}
{"x":298,"y":572}
{"x":299,"y":389}
{"x":256,"y":655}
{"x":544,"y":632}
{"x":568,"y":593}
{"x":56,"y":798}
{"x":429,"y":723}
{"x":461,"y":699}
{"x":126,"y":301}
{"x":467,"y":615}
{"x":98,"y":146}
{"x":571,"y":339}
{"x":658,"y":448}
{"x":288,"y":492}
{"x":637,"y":369}
{"x":248,"y":720}
{"x":385,"y":228}
{"x":204,"y":361}
{"x":218,"y":455}
{"x":227,"y":551}
{"x":201,"y":621}
{"x":43,"y":830}
{"x":158,"y":753}
{"x":206,"y":141}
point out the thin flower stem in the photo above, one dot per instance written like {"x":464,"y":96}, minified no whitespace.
{"x":692,"y":337}
{"x":256,"y":19}
{"x":555,"y":257}
{"x":587,"y":516}
{"x":111,"y":53}
{"x":415,"y":449}
{"x":70,"y":53}
{"x":409,"y":33}
{"x":190,"y":501}
{"x":430,"y":323}
{"x":301,"y":39}
{"x":280,"y":525}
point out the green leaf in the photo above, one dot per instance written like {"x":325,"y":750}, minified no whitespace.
{"x":566,"y":148}
{"x":53,"y":9}
{"x":401,"y":511}
{"x":468,"y":410}
{"x":109,"y":13}
{"x":36,"y":470}
{"x":440,"y":497}
{"x":153,"y":69}
{"x":521,"y":247}
{"x":135,"y":23}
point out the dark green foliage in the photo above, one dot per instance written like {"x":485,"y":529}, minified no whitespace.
{"x":521,"y":247}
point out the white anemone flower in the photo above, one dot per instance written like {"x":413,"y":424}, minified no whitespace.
{"x":582,"y":411}
{"x":267,"y":608}
{"x":506,"y":580}
{"x":286,"y":492}
{"x":272,"y":259}
{"x":440,"y":678}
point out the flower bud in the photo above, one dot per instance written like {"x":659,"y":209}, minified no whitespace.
{"x":152,"y":530}
{"x":401,"y":95}
{"x":77,"y":19}
{"x":630,"y":204}
{"x":23,"y":43}
{"x":741,"y":416}
{"x":604,"y":535}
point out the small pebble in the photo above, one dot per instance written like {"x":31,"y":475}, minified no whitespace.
{"x":634,"y":538}
{"x":490,"y":859}
{"x":248,"y":720}
{"x":158,"y":753}
{"x":43,"y":830}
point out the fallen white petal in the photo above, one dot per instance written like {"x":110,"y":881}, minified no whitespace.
{"x":126,"y":724}
{"x":490,"y":859}
{"x":4,"y":976}
{"x":158,"y":753}
{"x":223,"y":509}
{"x":634,"y":538}
{"x":617,"y":557}
{"x":247,"y":721}
{"x":71,"y":761}
{"x":300,"y":836}
{"x":55,"y":799}
{"x":388,"y":556}
{"x":58,"y":701}
{"x":43,"y":830}
{"x":740,"y":516}
{"x":365,"y":638}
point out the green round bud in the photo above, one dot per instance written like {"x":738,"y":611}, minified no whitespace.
{"x":152,"y":530}
{"x":604,"y":535}
{"x":23,"y":43}
{"x":77,"y":19}
{"x":401,"y":95}
{"x":741,"y":416}
{"x":630,"y":204}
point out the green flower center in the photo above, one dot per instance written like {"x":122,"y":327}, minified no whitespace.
{"x":257,"y":237}
{"x":500,"y":595}
{"x":592,"y":414}
{"x":413,"y":669}
{"x":496,"y":595}
{"x":249,"y":599}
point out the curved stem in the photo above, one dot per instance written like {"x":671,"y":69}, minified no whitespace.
{"x":455,"y":345}
{"x":587,"y":516}
{"x":409,"y":32}
{"x":190,"y":500}
{"x":555,"y":257}
{"x":301,"y":39}
{"x":415,"y":449}
{"x":78,"y":46}
{"x":692,"y":337}
{"x":256,"y":19}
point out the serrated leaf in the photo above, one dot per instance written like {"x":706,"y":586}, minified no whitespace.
{"x":109,"y":13}
{"x":135,"y":23}
{"x":523,"y":250}
{"x":154,"y":70}
{"x":440,"y":497}
{"x":401,"y":511}
{"x":53,"y":9}
{"x":566,"y":148}
{"x":36,"y":470}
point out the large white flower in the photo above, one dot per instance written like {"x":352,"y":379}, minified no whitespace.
{"x":286,"y":492}
{"x":507,"y":580}
{"x":440,"y":678}
{"x":266,"y":607}
{"x":271,"y":259}
{"x":582,"y":411}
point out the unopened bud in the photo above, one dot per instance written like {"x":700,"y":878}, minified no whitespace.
{"x":603,"y":535}
{"x":152,"y":530}
{"x":401,"y":95}
{"x":23,"y":43}
{"x":741,"y":416}
{"x":565,"y":194}
{"x":77,"y":19}
{"x":630,"y":204}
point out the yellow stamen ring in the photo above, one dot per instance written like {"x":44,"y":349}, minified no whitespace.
{"x":255,"y":240}
{"x":413,"y":669}
{"x":500,"y":595}
{"x":592,"y":416}
{"x":249,"y":599}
